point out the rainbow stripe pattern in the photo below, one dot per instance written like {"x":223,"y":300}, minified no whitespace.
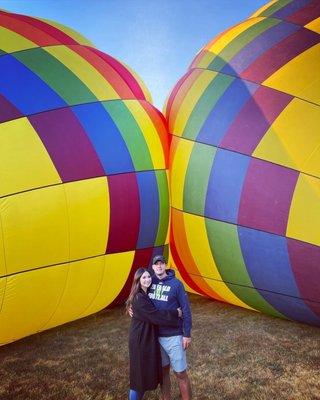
{"x":245,"y":164}
{"x":83,"y":170}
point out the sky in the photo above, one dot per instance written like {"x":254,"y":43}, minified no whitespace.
{"x":156,"y":38}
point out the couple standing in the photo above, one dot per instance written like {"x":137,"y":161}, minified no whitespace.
{"x":158,"y":335}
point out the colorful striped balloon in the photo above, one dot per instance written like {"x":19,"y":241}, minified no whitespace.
{"x":84,"y":194}
{"x":245,"y":164}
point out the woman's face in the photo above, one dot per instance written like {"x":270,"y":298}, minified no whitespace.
{"x":145,"y":280}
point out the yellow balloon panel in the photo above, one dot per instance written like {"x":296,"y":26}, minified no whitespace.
{"x":116,"y":271}
{"x":81,"y":288}
{"x":23,"y":312}
{"x":75,"y":290}
{"x":180,"y":153}
{"x":304,"y":216}
{"x":314,"y":25}
{"x":292,"y":138}
{"x":35,"y":229}
{"x":3,"y":283}
{"x":2,"y":254}
{"x":300,"y":76}
{"x":89,"y":215}
{"x":312,"y":164}
{"x":11,"y":41}
{"x":20,"y":169}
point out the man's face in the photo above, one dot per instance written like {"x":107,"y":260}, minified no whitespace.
{"x":159,"y":268}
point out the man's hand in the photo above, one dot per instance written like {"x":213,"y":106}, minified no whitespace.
{"x":186,"y":342}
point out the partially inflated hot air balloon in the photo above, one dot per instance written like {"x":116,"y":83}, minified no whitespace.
{"x":245,"y":164}
{"x":83,"y":181}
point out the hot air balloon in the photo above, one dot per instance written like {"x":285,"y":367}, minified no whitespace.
{"x":245,"y":164}
{"x":83,"y":193}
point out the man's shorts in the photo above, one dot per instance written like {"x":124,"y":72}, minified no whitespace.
{"x":172,"y":352}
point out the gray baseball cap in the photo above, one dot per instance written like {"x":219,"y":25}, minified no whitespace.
{"x":159,"y":258}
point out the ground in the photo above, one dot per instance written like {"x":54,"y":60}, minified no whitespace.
{"x":236,"y":354}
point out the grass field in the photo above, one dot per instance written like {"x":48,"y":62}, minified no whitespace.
{"x":236,"y":354}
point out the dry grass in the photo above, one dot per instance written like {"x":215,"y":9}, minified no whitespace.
{"x":236,"y":354}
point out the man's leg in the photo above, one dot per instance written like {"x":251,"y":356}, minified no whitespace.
{"x":178,"y":361}
{"x":184,"y":385}
{"x":166,"y":383}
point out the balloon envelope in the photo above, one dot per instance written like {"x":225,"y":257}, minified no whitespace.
{"x":84,"y":194}
{"x":245,"y":164}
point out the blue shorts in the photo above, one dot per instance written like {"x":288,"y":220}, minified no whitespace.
{"x":172,"y":353}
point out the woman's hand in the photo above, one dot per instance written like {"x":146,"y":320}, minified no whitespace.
{"x":179,"y":312}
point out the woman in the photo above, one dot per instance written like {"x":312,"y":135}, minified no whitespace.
{"x":144,"y":348}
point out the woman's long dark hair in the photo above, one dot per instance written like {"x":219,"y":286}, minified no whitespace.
{"x":135,"y":286}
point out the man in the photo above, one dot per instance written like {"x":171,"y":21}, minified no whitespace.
{"x":167,"y":292}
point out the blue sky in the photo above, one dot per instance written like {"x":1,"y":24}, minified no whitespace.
{"x":157,"y":38}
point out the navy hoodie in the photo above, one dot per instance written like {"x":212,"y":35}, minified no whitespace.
{"x":169,"y":294}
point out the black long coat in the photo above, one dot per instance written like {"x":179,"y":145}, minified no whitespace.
{"x":144,"y":347}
